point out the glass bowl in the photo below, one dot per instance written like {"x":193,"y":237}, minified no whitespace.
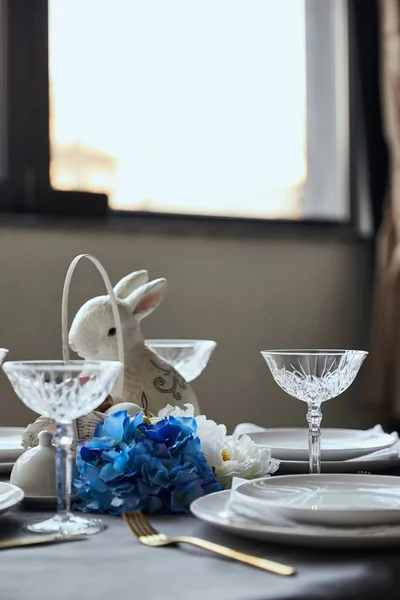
{"x":189,"y":357}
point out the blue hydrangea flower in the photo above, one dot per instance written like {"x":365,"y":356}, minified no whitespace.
{"x":133,"y":464}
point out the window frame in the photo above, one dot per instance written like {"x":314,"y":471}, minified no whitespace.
{"x":327,"y":191}
{"x":24,"y":163}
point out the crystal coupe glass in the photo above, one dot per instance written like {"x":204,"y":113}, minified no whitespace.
{"x":314,"y":376}
{"x":189,"y":357}
{"x":63,"y":391}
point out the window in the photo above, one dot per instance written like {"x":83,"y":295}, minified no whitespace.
{"x":3,"y":114}
{"x":220,"y":108}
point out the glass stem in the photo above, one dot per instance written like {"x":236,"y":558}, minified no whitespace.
{"x":64,"y":437}
{"x":314,"y":418}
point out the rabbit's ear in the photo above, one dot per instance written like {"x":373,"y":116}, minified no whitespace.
{"x":143,"y":301}
{"x":130,"y":283}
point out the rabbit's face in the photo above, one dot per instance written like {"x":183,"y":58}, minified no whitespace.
{"x":93,"y":333}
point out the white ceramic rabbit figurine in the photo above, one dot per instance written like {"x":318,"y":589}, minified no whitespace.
{"x":147,"y":376}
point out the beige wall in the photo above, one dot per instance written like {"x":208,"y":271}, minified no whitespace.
{"x":246,"y":294}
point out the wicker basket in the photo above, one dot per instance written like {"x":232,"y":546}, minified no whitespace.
{"x":86,"y":425}
{"x":84,"y":429}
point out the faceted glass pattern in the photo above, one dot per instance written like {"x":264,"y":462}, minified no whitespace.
{"x":314,"y":376}
{"x":62,"y":391}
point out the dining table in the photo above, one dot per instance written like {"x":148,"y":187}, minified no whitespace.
{"x":113,"y":565}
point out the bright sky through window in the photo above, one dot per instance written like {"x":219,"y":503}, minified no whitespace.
{"x":182,"y":106}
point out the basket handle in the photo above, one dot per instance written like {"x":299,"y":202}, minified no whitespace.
{"x":119,"y":386}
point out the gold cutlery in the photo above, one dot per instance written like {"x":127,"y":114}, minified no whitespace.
{"x":33,"y":540}
{"x":145,"y":533}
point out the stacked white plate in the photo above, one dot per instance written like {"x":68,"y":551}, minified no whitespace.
{"x":10,"y":447}
{"x":313,"y":510}
{"x":343,"y":450}
{"x":10,"y":496}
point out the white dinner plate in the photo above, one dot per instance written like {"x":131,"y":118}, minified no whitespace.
{"x":334,"y":500}
{"x":336,"y":444}
{"x":211,"y":509}
{"x":10,"y":443}
{"x":10,"y":495}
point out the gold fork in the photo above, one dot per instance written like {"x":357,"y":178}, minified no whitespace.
{"x":145,"y":533}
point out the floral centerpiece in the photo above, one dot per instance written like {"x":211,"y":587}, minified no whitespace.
{"x":162,"y":463}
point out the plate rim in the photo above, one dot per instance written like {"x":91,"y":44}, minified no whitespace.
{"x":12,"y":502}
{"x":304,"y":509}
{"x":9,"y":454}
{"x":305,"y":430}
{"x":375,"y":465}
{"x":326,"y":452}
{"x":281,"y":534}
{"x":19,"y":428}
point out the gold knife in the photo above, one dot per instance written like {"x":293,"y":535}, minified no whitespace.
{"x":33,"y":540}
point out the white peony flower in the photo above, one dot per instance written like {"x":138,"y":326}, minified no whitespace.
{"x":212,"y":438}
{"x":231,"y":456}
{"x":245,"y":459}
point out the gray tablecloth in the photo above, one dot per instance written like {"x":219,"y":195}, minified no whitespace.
{"x":113,"y":565}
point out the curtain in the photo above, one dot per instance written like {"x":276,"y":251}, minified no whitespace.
{"x":383,"y":385}
{"x":367,"y":139}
